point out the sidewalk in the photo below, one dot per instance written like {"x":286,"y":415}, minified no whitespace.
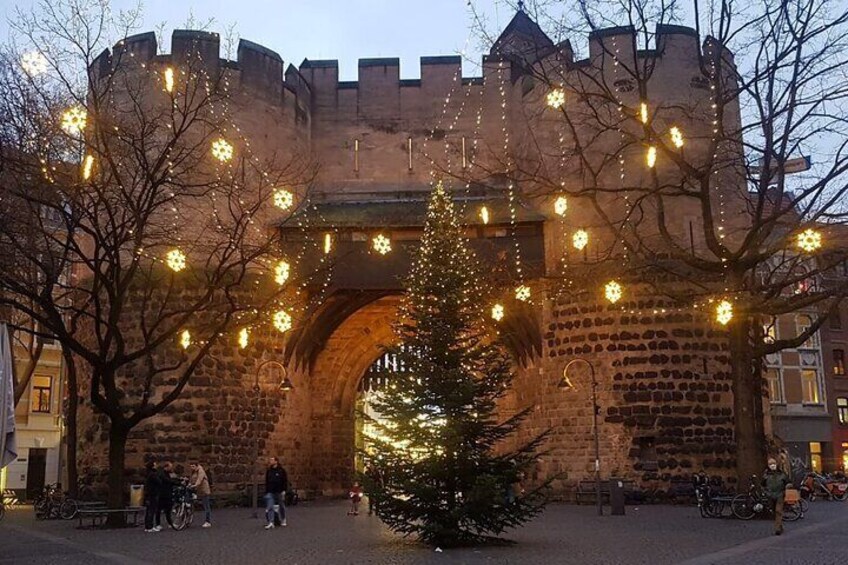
{"x":322,"y":533}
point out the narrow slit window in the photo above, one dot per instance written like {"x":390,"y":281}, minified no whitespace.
{"x":356,"y":155}
{"x":464,"y":154}
{"x":409,"y":152}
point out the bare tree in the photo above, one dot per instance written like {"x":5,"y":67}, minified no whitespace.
{"x":142,"y":232}
{"x":687,"y":179}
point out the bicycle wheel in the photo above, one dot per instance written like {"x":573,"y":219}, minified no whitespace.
{"x":179,"y":519}
{"x":40,"y":508}
{"x":742,"y":506}
{"x":68,"y":510}
{"x":840,"y":496}
{"x":2,"y":510}
{"x":804,"y":506}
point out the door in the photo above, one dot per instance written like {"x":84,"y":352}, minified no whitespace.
{"x":36,"y":470}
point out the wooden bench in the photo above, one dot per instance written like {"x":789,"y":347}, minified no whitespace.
{"x":587,"y":491}
{"x":98,"y":516}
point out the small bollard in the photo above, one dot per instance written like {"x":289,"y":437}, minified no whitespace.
{"x":617,"y":497}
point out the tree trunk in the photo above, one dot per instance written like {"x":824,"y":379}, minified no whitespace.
{"x":71,"y":424}
{"x":748,"y":414}
{"x":118,"y":434}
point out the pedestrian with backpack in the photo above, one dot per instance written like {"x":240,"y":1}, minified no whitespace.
{"x":276,"y":484}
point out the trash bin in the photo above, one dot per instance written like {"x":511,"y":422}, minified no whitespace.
{"x":617,"y":497}
{"x":136,"y":495}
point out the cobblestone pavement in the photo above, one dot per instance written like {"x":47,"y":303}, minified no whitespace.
{"x":322,"y":533}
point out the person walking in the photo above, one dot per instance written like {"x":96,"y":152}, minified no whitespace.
{"x":355,"y":496}
{"x":276,"y":484}
{"x":775,"y":481}
{"x":166,"y":499}
{"x":200,"y":483}
{"x":151,"y":497}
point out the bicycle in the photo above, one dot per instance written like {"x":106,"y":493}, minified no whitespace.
{"x":182,"y":511}
{"x":48,"y":503}
{"x":747,"y":505}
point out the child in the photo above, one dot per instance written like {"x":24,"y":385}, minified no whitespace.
{"x":355,"y":498}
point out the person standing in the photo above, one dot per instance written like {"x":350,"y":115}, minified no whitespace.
{"x":166,"y":498}
{"x":200,"y":483}
{"x":151,"y":497}
{"x":276,"y":484}
{"x":775,"y":481}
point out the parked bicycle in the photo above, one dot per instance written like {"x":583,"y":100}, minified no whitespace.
{"x":828,"y":487}
{"x":712,"y":502}
{"x":182,"y":511}
{"x":747,"y":505}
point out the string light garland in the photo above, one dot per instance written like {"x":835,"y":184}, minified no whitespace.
{"x":498,"y":312}
{"x":87,"y":167}
{"x":169,"y":79}
{"x":484,"y":214}
{"x":809,"y":240}
{"x":34,"y":63}
{"x":283,"y":199}
{"x":522,"y":293}
{"x":613,"y":291}
{"x":651,"y":157}
{"x":580,"y":239}
{"x":561,"y":205}
{"x":676,"y":136}
{"x":185,"y":339}
{"x":556,"y":98}
{"x":381,"y":244}
{"x":74,"y":119}
{"x":281,"y":272}
{"x":328,"y":243}
{"x":724,"y":312}
{"x":282,"y":321}
{"x":176,"y":260}
{"x":222,"y":149}
{"x":243,"y":338}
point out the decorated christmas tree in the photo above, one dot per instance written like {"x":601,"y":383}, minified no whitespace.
{"x":437,"y":465}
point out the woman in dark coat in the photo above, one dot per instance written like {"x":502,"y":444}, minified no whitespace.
{"x":152,"y":486}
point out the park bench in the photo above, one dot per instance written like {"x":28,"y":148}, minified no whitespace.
{"x":587,"y":491}
{"x":98,"y":516}
{"x":10,"y":498}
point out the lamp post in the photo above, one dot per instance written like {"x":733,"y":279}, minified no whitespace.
{"x":565,"y":383}
{"x":285,"y":386}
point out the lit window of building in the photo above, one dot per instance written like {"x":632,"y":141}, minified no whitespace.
{"x":839,"y":362}
{"x":802,"y":324}
{"x":774,"y":379}
{"x":816,"y":456}
{"x":842,"y":410}
{"x":41,"y":394}
{"x":810,"y":389}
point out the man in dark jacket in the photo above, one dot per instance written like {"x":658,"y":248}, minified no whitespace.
{"x":276,"y":484}
{"x":775,"y":481}
{"x":166,"y":499}
{"x":151,"y":496}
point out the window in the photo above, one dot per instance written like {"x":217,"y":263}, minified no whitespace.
{"x":41,"y":389}
{"x":842,"y":410}
{"x":839,"y":362}
{"x":835,"y":320}
{"x":770,"y":330}
{"x":845,"y":456}
{"x":810,"y":386}
{"x":816,"y":456}
{"x":802,"y":324}
{"x":775,"y":386}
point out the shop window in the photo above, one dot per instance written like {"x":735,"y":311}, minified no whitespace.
{"x":842,"y":410}
{"x":811,"y":392}
{"x":816,"y":456}
{"x":774,"y":379}
{"x":41,"y":394}
{"x":839,"y":362}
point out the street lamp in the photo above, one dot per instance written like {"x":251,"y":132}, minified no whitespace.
{"x":566,"y":384}
{"x":285,"y":386}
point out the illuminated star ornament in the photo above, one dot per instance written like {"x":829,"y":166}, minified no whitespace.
{"x":556,"y":98}
{"x":651,"y":157}
{"x":580,"y":239}
{"x":73,"y":120}
{"x":484,"y":214}
{"x":185,"y":339}
{"x":613,"y":291}
{"x":281,"y":272}
{"x":222,"y":150}
{"x":283,"y":199}
{"x":328,"y":243}
{"x":676,"y":136}
{"x":643,"y":112}
{"x":87,"y":167}
{"x":381,"y":244}
{"x":34,"y":63}
{"x":176,"y":260}
{"x":561,"y":206}
{"x":522,"y":293}
{"x":724,"y":312}
{"x":169,"y":79}
{"x":243,"y":338}
{"x":809,"y":240}
{"x":282,"y":321}
{"x":497,"y":312}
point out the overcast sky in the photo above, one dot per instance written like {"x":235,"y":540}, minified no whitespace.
{"x":328,"y":29}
